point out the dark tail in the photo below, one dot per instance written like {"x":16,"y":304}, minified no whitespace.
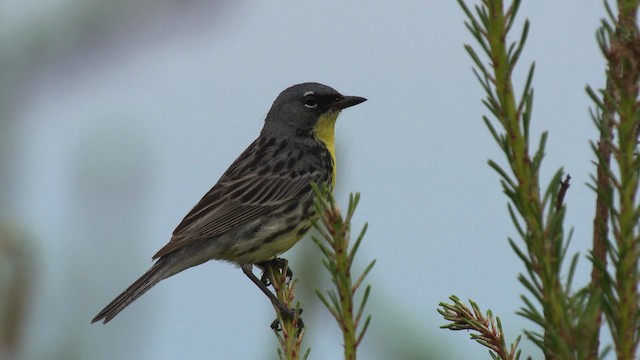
{"x":158,"y":271}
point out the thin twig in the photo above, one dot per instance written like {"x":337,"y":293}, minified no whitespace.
{"x":564,"y":186}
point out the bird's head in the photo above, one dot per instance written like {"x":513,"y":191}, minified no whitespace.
{"x":300,"y":107}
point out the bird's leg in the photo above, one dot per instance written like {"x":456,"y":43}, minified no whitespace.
{"x":281,"y":307}
{"x":278,"y":263}
{"x":284,"y":311}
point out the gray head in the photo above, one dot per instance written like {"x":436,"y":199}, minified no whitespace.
{"x":300,"y":106}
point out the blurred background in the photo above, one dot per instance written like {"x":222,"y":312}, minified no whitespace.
{"x":117,"y":116}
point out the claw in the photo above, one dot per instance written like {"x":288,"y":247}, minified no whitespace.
{"x":265,"y":279}
{"x":278,"y":263}
{"x":288,"y":314}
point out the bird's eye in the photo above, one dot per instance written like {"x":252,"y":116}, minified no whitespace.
{"x":309,"y":100}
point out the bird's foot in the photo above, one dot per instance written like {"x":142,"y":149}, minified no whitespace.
{"x":277,"y":263}
{"x":287,"y":314}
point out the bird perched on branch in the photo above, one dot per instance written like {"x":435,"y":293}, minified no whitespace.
{"x":263,"y":204}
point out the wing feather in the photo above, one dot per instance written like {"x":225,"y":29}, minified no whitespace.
{"x":237,"y":200}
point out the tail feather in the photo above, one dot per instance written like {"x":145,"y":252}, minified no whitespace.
{"x":158,"y":271}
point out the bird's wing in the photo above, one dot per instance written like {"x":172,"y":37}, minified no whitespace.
{"x":239,"y":200}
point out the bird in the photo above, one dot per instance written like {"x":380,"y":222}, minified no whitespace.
{"x":262,"y":204}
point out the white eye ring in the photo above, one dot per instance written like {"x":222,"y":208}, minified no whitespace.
{"x":309,"y":100}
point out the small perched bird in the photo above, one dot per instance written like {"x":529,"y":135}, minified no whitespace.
{"x":263,"y":204}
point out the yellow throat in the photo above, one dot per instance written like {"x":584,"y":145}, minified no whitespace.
{"x":324,"y":131}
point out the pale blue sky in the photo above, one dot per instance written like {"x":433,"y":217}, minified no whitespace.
{"x":116,"y":133}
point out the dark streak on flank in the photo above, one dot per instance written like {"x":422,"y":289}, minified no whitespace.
{"x":303,"y":230}
{"x":292,"y":161}
{"x":283,"y":145}
{"x":278,"y":166}
{"x":276,"y":235}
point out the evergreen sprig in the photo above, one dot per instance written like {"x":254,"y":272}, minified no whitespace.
{"x":334,"y":242}
{"x":485,"y":329}
{"x":616,"y":225}
{"x":537,"y":215}
{"x":571,"y":321}
{"x":289,"y":330}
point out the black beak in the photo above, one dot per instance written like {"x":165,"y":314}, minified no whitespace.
{"x":348,"y":101}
